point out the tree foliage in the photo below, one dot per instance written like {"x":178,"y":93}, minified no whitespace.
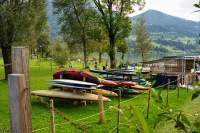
{"x":99,"y":40}
{"x":114,"y":16}
{"x":143,"y":42}
{"x":122,"y":47}
{"x":21,"y":23}
{"x":60,"y":53}
{"x":77,"y":19}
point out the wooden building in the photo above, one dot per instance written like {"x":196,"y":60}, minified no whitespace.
{"x":181,"y":67}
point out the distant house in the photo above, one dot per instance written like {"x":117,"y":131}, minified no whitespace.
{"x":176,"y":68}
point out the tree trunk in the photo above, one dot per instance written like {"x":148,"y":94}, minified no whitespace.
{"x":6,"y":52}
{"x":100,"y":57}
{"x":143,"y":59}
{"x":122,"y":56}
{"x":84,"y":50}
{"x":85,"y":54}
{"x":112,"y":53}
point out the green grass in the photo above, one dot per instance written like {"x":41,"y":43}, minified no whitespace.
{"x":41,"y":72}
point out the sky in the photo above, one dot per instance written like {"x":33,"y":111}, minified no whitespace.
{"x":180,"y":8}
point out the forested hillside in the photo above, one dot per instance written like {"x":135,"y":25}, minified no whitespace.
{"x":170,"y":34}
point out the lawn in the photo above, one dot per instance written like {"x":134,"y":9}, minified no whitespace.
{"x":86,"y":116}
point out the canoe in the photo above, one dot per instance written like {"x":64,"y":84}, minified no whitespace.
{"x":64,"y":86}
{"x":130,"y":92}
{"x":125,"y":83}
{"x":137,"y":87}
{"x":100,"y":71}
{"x":138,"y":80}
{"x":123,"y":91}
{"x":67,"y":95}
{"x":73,"y":82}
{"x":104,"y":92}
{"x":108,"y":82}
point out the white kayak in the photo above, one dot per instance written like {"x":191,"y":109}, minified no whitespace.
{"x":72,"y":82}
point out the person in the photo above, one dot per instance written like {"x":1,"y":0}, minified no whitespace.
{"x":95,"y":65}
{"x":60,"y":68}
{"x":104,"y":67}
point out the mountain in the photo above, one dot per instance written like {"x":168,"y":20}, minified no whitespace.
{"x":171,"y":35}
{"x":158,"y":21}
{"x":52,"y":20}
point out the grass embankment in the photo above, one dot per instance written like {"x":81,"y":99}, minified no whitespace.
{"x":41,"y":72}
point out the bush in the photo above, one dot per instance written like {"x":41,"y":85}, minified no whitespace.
{"x":60,"y":54}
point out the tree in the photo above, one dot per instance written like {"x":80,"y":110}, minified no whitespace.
{"x":114,"y":16}
{"x":143,"y":42}
{"x":197,"y":5}
{"x":76,"y":18}
{"x":60,"y":53}
{"x":122,"y":47}
{"x":18,"y":20}
{"x":99,"y":40}
{"x":43,"y":43}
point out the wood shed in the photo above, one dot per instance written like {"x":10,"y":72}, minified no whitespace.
{"x":182,"y":67}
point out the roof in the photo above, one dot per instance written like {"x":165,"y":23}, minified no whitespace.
{"x":172,"y":58}
{"x":182,"y":57}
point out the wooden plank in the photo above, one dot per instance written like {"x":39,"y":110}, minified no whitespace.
{"x":20,"y":116}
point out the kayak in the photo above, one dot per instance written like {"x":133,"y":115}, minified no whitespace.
{"x":104,"y":92}
{"x":124,"y":91}
{"x":73,"y":82}
{"x":137,"y":87}
{"x":125,"y":83}
{"x":108,"y":82}
{"x":67,"y":95}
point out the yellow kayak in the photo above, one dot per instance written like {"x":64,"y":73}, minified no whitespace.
{"x":104,"y":92}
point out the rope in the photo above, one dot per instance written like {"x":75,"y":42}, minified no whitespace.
{"x":41,"y":129}
{"x":5,"y":65}
{"x":112,"y":129}
{"x":44,"y":128}
{"x":168,"y":83}
{"x":96,"y":114}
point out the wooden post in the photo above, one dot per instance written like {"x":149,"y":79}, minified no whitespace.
{"x":51,"y":65}
{"x":20,"y":115}
{"x":187,"y":89}
{"x":178,"y":89}
{"x":52,"y":116}
{"x":20,"y":65}
{"x":148,"y":106}
{"x":178,"y":94}
{"x":118,"y":113}
{"x":101,"y":109}
{"x":20,"y":62}
{"x":167,"y":102}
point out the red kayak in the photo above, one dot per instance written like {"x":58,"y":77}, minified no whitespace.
{"x":125,"y":83}
{"x":74,"y":74}
{"x":137,"y":87}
